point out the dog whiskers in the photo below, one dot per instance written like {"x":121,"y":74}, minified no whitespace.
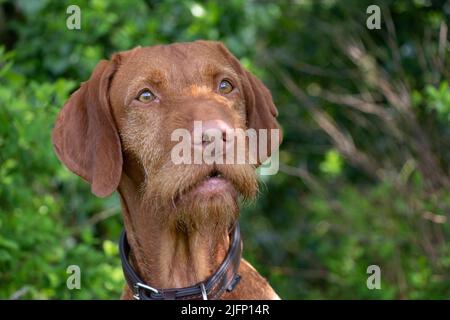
{"x":173,"y":203}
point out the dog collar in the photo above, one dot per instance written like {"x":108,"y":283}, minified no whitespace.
{"x":224,"y":279}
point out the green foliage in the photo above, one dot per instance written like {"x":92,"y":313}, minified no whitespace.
{"x":439,"y":100}
{"x":365,"y":116}
{"x":332,"y":164}
{"x":330,"y":241}
{"x":41,"y":201}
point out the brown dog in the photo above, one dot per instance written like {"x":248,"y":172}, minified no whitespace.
{"x":115,"y":132}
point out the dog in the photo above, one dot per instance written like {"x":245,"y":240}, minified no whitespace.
{"x":182,"y":239}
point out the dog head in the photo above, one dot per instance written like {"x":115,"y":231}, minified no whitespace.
{"x":123,"y":119}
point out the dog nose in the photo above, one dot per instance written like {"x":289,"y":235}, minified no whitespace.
{"x":212,"y":129}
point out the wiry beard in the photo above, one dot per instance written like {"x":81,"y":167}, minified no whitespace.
{"x":165,"y":189}
{"x":167,"y":195}
{"x":211,"y":215}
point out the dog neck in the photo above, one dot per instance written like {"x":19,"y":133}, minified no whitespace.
{"x":163,"y":256}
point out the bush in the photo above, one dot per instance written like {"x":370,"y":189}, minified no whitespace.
{"x":44,"y":213}
{"x":330,"y":239}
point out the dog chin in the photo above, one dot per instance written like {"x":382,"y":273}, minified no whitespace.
{"x":198,"y":197}
{"x":210,"y":207}
{"x":211,"y":188}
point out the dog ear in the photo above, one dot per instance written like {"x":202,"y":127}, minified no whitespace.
{"x":85,"y":137}
{"x":260,"y":110}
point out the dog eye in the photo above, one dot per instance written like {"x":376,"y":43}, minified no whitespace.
{"x":146,"y":96}
{"x":225,"y":87}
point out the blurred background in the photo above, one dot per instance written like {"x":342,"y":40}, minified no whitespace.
{"x":364,"y":175}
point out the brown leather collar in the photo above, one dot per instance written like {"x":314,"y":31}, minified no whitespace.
{"x":224,"y":279}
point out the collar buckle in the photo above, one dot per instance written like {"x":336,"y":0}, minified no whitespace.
{"x":204,"y":294}
{"x":137,"y":290}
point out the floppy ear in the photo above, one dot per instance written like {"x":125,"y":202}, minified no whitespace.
{"x":85,"y":137}
{"x":260,"y":110}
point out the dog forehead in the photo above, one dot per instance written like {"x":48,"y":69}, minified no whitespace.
{"x":175,"y":59}
{"x":179,"y":67}
{"x":172,"y":66}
